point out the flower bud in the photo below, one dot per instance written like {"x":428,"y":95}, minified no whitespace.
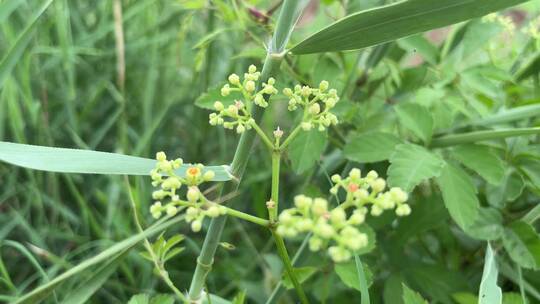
{"x":319,"y":207}
{"x":330,"y":103}
{"x":191,"y":213}
{"x":315,"y":109}
{"x":372,"y":175}
{"x":209,"y":175}
{"x":334,"y":190}
{"x":378,"y":185}
{"x":357,"y":218}
{"x":315,"y":243}
{"x":355,"y":173}
{"x":158,"y":194}
{"x":323,"y":229}
{"x":306,"y":126}
{"x":252,"y":69}
{"x":304,"y":225}
{"x":196,"y":225}
{"x":171,"y":210}
{"x":338,"y":216}
{"x":398,"y":195}
{"x":193,"y":194}
{"x":225,"y":91}
{"x":376,"y":210}
{"x":250,"y":86}
{"x":287,"y":92}
{"x":278,"y":133}
{"x":339,"y":254}
{"x":323,"y":86}
{"x":306,"y":91}
{"x":213,"y":211}
{"x":362,"y":194}
{"x":336,"y":178}
{"x":218,"y":106}
{"x":403,"y":210}
{"x":234,"y":79}
{"x":232,"y":111}
{"x":271,"y":81}
{"x":164,"y":166}
{"x":171,"y":183}
{"x":240,"y":129}
{"x":160,"y":156}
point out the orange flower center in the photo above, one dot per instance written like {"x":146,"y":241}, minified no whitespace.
{"x":353,"y":187}
{"x":193,"y":171}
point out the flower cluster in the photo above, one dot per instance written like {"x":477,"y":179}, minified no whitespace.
{"x":237,"y":115}
{"x":336,"y":229}
{"x":316,"y":102}
{"x":167,"y":198}
{"x":362,"y":191}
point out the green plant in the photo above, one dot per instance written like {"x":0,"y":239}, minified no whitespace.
{"x":453,"y":138}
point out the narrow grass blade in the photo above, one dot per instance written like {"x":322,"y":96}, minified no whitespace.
{"x":82,"y":293}
{"x":15,"y":52}
{"x":510,"y":115}
{"x":363,"y":281}
{"x":87,"y":161}
{"x":490,"y":292}
{"x":390,"y":22}
{"x":43,"y":291}
{"x":472,"y":137}
{"x":7,"y":7}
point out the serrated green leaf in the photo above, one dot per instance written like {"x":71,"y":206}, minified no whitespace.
{"x":411,"y":164}
{"x":508,"y":190}
{"x":348,"y":274}
{"x":370,"y":147}
{"x":139,"y":299}
{"x":522,"y":243}
{"x":488,"y":225}
{"x":162,"y":299}
{"x":302,"y":274}
{"x":490,"y":292}
{"x":412,"y":297}
{"x":481,"y":160}
{"x":417,"y":119}
{"x":87,"y":161}
{"x":306,"y":148}
{"x":390,"y":22}
{"x":459,"y":194}
{"x":207,"y":100}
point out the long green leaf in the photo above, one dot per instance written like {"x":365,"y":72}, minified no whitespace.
{"x":472,"y":137}
{"x":43,"y":291}
{"x":91,"y":285}
{"x":390,"y":22}
{"x":15,"y":52}
{"x":86,"y":161}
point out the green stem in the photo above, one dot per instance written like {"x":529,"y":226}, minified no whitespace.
{"x":263,"y":136}
{"x":465,"y":138}
{"x":238,"y":165}
{"x":273,"y":211}
{"x":285,"y":23}
{"x":290,"y":137}
{"x":161,"y":270}
{"x":248,"y":217}
{"x":282,"y":251}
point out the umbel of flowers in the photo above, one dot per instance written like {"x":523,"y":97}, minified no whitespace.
{"x":316,"y":103}
{"x":337,"y":229}
{"x":168,"y":199}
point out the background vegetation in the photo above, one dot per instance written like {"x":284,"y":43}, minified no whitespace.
{"x":126,"y":76}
